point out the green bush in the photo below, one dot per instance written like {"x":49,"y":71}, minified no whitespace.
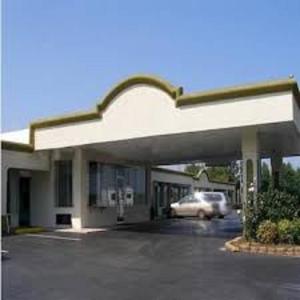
{"x":267,"y":232}
{"x":296,"y":230}
{"x":272,"y":205}
{"x":251,"y":223}
{"x":285,"y":231}
{"x":277,"y":205}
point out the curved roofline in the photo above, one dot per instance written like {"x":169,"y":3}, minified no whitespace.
{"x":172,"y":91}
{"x":176,"y":93}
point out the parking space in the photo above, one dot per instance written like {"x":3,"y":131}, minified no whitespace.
{"x":172,"y":259}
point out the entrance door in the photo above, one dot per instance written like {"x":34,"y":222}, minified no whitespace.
{"x":24,"y":202}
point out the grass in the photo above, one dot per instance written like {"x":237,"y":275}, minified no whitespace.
{"x":24,"y":230}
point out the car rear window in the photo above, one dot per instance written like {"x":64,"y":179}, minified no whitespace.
{"x":212,"y":197}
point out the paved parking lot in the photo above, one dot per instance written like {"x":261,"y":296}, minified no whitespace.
{"x":173,"y":259}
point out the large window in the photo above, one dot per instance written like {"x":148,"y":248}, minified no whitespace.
{"x":105,"y":179}
{"x":94,"y":182}
{"x":63,"y":183}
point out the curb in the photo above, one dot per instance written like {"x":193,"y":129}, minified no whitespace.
{"x":240,"y":245}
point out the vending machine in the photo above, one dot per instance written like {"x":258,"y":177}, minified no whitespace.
{"x":129,"y":196}
{"x":112,"y":197}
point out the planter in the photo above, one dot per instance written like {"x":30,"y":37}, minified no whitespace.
{"x":241,"y":245}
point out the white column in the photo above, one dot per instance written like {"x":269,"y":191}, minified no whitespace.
{"x":78,"y":189}
{"x":251,"y":163}
{"x":4,"y":178}
{"x":276,"y":164}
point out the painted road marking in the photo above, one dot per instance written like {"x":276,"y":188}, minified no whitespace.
{"x":55,"y":237}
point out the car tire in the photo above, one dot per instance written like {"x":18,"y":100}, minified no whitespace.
{"x":173,"y":213}
{"x":201,"y":215}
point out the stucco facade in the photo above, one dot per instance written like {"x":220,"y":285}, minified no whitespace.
{"x":144,"y":122}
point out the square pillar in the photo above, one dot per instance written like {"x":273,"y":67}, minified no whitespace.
{"x":4,"y":181}
{"x":148,"y":189}
{"x":251,"y":164}
{"x":78,"y":189}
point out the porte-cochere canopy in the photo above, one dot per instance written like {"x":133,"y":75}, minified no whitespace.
{"x":146,"y":119}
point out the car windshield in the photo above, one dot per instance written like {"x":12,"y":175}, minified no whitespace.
{"x":212,"y":197}
{"x":185,"y":199}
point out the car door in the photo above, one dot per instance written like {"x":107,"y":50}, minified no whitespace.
{"x":186,"y":205}
{"x":182,"y":208}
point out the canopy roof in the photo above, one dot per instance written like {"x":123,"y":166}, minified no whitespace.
{"x":146,"y":119}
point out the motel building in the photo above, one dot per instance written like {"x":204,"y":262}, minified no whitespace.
{"x":98,"y":167}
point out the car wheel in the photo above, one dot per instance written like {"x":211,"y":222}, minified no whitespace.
{"x":201,"y":215}
{"x":173,"y":213}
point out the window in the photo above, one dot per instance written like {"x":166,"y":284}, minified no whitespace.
{"x":93,"y":179}
{"x":63,"y":183}
{"x":210,"y":197}
{"x":105,"y":180}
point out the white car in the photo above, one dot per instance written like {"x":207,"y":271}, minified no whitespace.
{"x":202,"y":205}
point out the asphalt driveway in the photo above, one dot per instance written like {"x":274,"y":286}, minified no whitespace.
{"x":174,"y":259}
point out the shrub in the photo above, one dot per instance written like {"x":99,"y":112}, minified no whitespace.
{"x":296,"y":230}
{"x":276,"y":205}
{"x":285,"y":231}
{"x":272,"y":205}
{"x":251,"y":223}
{"x":267,"y":232}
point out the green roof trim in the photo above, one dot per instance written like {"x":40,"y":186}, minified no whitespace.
{"x":240,"y":92}
{"x":13,"y":146}
{"x":176,"y":93}
{"x":61,"y":120}
{"x":173,"y":92}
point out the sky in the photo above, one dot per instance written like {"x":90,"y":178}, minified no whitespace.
{"x":63,"y":55}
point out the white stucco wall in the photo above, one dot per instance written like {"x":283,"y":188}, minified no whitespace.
{"x":19,"y":160}
{"x":143,"y":110}
{"x":18,"y":136}
{"x":296,"y":110}
{"x":164,"y":176}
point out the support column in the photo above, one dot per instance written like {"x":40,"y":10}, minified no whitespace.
{"x":148,"y":189}
{"x":251,"y":164}
{"x":4,"y":178}
{"x":78,"y":189}
{"x":276,"y":164}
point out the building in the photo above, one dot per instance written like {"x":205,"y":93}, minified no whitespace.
{"x":76,"y":169}
{"x":169,"y":186}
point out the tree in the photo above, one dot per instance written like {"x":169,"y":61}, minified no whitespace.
{"x":228,"y":173}
{"x":193,"y":169}
{"x":265,"y":177}
{"x":289,"y":179}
